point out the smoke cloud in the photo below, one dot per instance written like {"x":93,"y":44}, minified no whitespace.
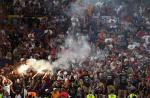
{"x":76,"y":50}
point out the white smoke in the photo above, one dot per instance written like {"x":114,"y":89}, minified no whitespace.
{"x":77,"y":51}
{"x":39,"y":66}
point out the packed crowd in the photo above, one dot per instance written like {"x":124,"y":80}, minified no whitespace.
{"x":119,"y":63}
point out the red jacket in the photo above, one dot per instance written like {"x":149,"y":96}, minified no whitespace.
{"x":64,"y":94}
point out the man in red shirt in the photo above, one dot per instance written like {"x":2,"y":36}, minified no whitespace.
{"x":64,"y":93}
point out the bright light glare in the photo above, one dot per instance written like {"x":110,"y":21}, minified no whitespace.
{"x":23,"y":68}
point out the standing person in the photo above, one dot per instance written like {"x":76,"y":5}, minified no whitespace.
{"x":123,"y":85}
{"x":142,"y":88}
{"x":112,"y":94}
{"x":55,"y":93}
{"x":17,"y":88}
{"x":90,"y":95}
{"x":80,"y":93}
{"x":133,"y":94}
{"x":42,"y":88}
{"x":6,"y":87}
{"x":64,"y":93}
{"x":110,"y":83}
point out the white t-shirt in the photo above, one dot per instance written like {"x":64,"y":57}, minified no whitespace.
{"x":18,"y":96}
{"x":7,"y":89}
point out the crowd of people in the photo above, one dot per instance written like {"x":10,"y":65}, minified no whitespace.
{"x":117,"y":67}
